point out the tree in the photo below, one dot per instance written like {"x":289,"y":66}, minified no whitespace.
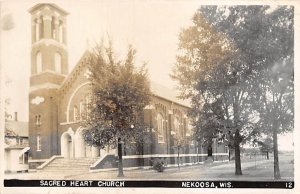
{"x":266,"y":145}
{"x":210,"y":71}
{"x":207,"y":126}
{"x":276,"y":103}
{"x":179,"y":143}
{"x":120,"y":92}
{"x":265,"y":38}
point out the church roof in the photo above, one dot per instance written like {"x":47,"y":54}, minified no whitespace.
{"x":80,"y":65}
{"x":157,"y":89}
{"x":167,"y":94}
{"x":19,"y":128}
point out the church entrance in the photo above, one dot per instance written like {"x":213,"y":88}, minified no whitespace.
{"x":79,"y":144}
{"x":67,"y":145}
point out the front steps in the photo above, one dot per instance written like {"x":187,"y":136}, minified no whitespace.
{"x":69,"y":166}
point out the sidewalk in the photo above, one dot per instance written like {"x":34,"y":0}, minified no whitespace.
{"x":252,"y":171}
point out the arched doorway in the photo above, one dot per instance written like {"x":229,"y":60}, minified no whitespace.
{"x":79,"y":144}
{"x":67,"y":145}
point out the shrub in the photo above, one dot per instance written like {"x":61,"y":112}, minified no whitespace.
{"x":159,"y":165}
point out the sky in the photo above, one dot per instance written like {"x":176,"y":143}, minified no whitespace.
{"x":152,"y":27}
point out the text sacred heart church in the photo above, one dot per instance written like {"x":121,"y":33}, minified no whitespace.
{"x":58,"y":98}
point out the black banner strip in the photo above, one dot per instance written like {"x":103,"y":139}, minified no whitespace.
{"x":165,"y":184}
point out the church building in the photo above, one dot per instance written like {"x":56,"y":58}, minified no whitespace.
{"x":58,"y":99}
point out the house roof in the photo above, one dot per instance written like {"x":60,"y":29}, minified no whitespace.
{"x":20,"y":128}
{"x":16,"y":147}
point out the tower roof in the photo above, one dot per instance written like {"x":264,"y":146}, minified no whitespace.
{"x":55,"y":7}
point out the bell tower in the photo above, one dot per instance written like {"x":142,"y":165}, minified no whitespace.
{"x":48,"y":34}
{"x":49,"y":67}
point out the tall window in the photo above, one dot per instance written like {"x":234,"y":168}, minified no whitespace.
{"x":38,"y":143}
{"x":75,"y":113}
{"x":160,"y":128}
{"x":57,"y":62}
{"x":38,"y":120}
{"x":37,"y":31}
{"x":61,"y":33}
{"x":87,"y":105}
{"x":53,"y":31}
{"x":176,"y":126}
{"x":189,"y":128}
{"x":41,"y":28}
{"x":81,"y":109}
{"x":19,"y":140}
{"x":39,"y":62}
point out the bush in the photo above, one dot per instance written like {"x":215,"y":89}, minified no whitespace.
{"x":159,"y":165}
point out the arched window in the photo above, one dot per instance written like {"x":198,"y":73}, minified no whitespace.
{"x":39,"y":66}
{"x":75,"y":113}
{"x":160,"y":128}
{"x":41,"y":28}
{"x":37,"y":31}
{"x":53,"y":30}
{"x":87,"y":105}
{"x":61,"y":32}
{"x":176,"y":126}
{"x":189,"y":128}
{"x":87,"y":100}
{"x":57,"y":58}
{"x":81,"y":109}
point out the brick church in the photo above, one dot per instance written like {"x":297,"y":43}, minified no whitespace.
{"x":58,"y":98}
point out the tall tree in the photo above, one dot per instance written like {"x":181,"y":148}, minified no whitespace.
{"x":120,"y":93}
{"x":275,"y":102}
{"x":211,"y":71}
{"x":264,"y":36}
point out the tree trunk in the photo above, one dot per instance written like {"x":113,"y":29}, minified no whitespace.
{"x":120,"y":159}
{"x":238,"y":168}
{"x":209,"y":151}
{"x":267,"y":155}
{"x":276,"y":160}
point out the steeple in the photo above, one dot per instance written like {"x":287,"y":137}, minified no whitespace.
{"x":49,"y":41}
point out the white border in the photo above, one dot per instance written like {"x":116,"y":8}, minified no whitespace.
{"x":178,"y":190}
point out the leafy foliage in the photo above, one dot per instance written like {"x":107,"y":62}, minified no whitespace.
{"x":231,"y":61}
{"x":120,"y":92}
{"x":266,"y":145}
